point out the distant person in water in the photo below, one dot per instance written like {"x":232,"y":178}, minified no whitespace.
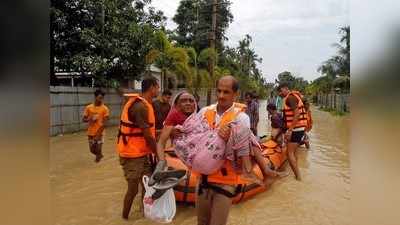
{"x":252,"y":111}
{"x":96,"y":115}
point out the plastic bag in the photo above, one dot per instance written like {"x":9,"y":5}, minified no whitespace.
{"x":161,"y":210}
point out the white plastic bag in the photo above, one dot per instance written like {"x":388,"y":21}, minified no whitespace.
{"x":161,"y":210}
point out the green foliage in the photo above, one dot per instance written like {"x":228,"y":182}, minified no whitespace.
{"x":335,"y":70}
{"x":320,"y":85}
{"x":339,"y":64}
{"x":334,"y":112}
{"x":242,"y":62}
{"x":199,"y":72}
{"x":193,"y":18}
{"x":170,"y":59}
{"x":294,"y":83}
{"x":107,"y":38}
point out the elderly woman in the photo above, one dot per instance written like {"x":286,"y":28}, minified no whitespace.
{"x":184,"y":104}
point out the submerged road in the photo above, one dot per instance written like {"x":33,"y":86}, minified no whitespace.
{"x":86,"y":193}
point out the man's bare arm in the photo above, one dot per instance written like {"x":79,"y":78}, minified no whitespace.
{"x":164,"y":136}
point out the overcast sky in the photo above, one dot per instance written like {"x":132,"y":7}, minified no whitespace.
{"x":292,"y":35}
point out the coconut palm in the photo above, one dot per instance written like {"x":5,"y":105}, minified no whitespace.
{"x":339,"y":65}
{"x":170,"y":59}
{"x":200,"y":77}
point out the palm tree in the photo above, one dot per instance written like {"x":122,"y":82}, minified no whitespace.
{"x":168,"y":58}
{"x":243,"y":52}
{"x":337,"y":68}
{"x":199,"y":70}
{"x":247,"y":56}
{"x":199,"y":74}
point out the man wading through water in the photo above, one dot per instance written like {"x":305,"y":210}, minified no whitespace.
{"x":136,"y":139}
{"x":295,"y":118}
{"x":96,"y":115}
{"x":216,"y":190}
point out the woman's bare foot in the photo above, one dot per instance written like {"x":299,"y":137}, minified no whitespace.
{"x":251,"y":177}
{"x":282,"y":173}
{"x":268,"y":181}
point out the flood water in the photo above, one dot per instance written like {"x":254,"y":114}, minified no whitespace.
{"x":86,"y":193}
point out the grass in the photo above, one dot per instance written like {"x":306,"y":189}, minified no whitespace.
{"x":334,"y":112}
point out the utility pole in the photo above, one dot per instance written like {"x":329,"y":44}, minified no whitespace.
{"x":211,"y":39}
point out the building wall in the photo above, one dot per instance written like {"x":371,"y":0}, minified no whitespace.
{"x":67,"y":105}
{"x":137,"y":85}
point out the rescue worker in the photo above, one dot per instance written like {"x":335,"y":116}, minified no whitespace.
{"x":295,"y":122}
{"x":136,"y":139}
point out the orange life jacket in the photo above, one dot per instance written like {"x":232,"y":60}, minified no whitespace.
{"x":288,"y":113}
{"x":227,"y":174}
{"x":131,"y":143}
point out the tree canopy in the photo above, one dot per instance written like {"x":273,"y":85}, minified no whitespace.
{"x":336,"y":70}
{"x":294,"y":83}
{"x":108,"y":38}
{"x":193,"y":19}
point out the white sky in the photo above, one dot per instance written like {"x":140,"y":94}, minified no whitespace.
{"x":292,"y":35}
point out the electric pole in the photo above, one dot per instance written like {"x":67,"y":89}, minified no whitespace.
{"x":211,"y":39}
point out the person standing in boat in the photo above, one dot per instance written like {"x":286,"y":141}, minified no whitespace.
{"x":252,"y":111}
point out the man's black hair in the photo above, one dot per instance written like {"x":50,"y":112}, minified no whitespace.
{"x":148,"y":82}
{"x":235,"y":84}
{"x":167,"y":92}
{"x":254,"y":94}
{"x":99,"y":92}
{"x":248,"y":93}
{"x":271,"y":106}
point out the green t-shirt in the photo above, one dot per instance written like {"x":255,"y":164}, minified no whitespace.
{"x":279,"y":103}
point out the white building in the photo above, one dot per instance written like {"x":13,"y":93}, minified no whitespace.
{"x":156,"y":72}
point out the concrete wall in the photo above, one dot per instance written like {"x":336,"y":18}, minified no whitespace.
{"x":67,"y":105}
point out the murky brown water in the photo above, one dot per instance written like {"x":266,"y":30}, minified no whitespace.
{"x":85,"y":193}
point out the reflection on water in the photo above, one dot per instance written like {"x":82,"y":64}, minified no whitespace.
{"x":85,"y":193}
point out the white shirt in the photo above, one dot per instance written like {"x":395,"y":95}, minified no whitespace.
{"x":242,"y":118}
